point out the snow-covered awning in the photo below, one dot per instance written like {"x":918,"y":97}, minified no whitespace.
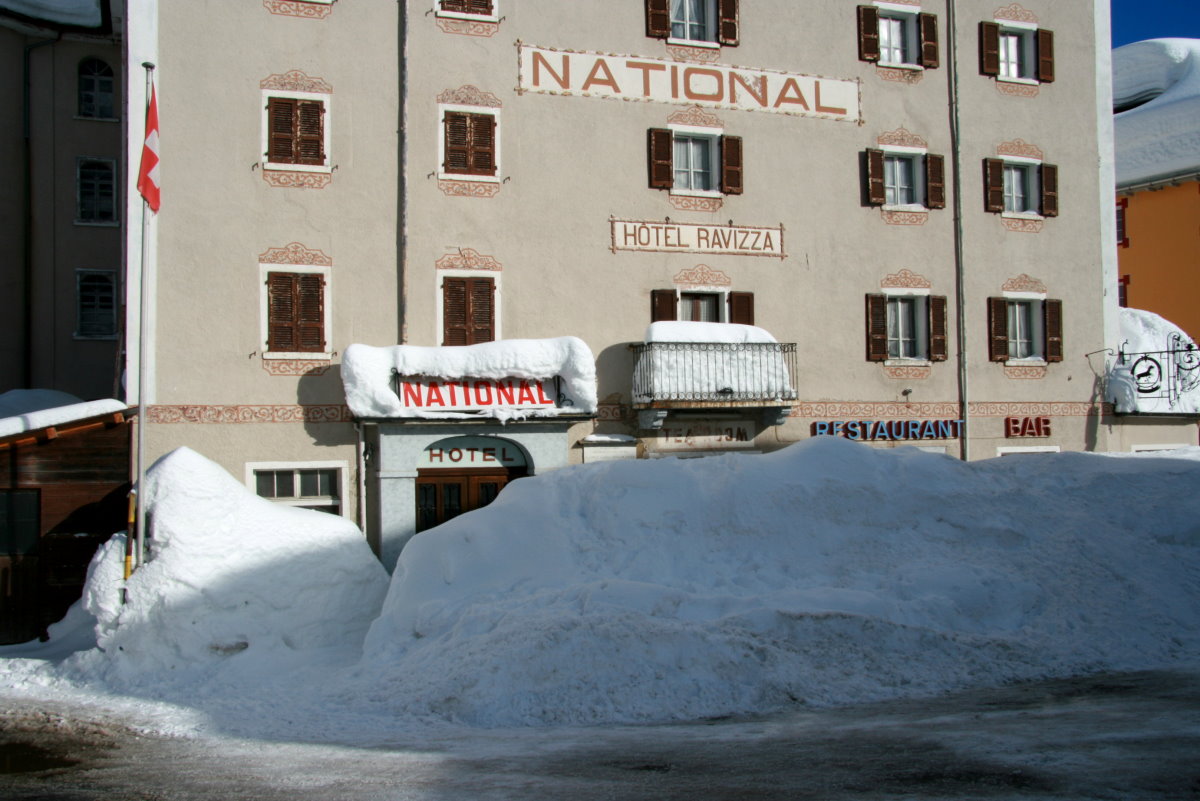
{"x":1158,"y":368}
{"x":33,"y":409}
{"x":676,"y":331}
{"x":502,"y":380}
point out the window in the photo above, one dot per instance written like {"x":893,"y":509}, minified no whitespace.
{"x":470,"y":144}
{"x":1020,"y":186}
{"x":295,"y":312}
{"x":95,"y":304}
{"x":468,"y":310}
{"x":1025,"y":327}
{"x":471,"y":8}
{"x":1018,"y":52}
{"x":906,"y":326}
{"x":20,"y":521}
{"x":703,"y":22}
{"x":703,"y":307}
{"x":309,"y":486}
{"x":897,"y":36}
{"x":695,"y":161}
{"x":96,"y":98}
{"x":1123,"y":291}
{"x":1122,"y":231}
{"x":296,"y":131}
{"x":905,"y":176}
{"x":96,"y":191}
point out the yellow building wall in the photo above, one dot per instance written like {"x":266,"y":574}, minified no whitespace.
{"x":1162,"y":259}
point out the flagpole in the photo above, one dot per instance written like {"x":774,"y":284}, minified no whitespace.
{"x":143,"y":307}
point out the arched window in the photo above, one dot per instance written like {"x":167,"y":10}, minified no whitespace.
{"x":96,"y":95}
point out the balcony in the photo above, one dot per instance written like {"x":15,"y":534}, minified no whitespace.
{"x":713,"y":376}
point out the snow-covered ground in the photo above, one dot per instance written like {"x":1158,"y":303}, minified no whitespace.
{"x":827,"y":573}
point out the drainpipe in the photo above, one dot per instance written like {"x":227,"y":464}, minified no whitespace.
{"x":27,"y":223}
{"x":361,"y":478}
{"x":960,"y":288}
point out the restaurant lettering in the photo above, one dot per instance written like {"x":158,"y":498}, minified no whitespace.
{"x":475,"y":393}
{"x":735,"y":240}
{"x":566,"y":72}
{"x":889,"y":430}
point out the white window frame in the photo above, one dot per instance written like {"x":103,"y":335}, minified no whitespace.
{"x":907,"y":17}
{"x":497,"y":298}
{"x":116,"y":206}
{"x":1037,"y":332}
{"x":1009,"y":450}
{"x":721,"y":292}
{"x":112,"y":91}
{"x":1034,"y":190}
{"x":265,"y":311}
{"x":916,"y":156}
{"x":438,"y":12}
{"x":342,"y":501}
{"x":713,"y":137}
{"x":921,"y":320}
{"x":441,"y":143}
{"x":80,"y":274}
{"x":712,"y":25}
{"x":1026,"y":33}
{"x":326,"y":131}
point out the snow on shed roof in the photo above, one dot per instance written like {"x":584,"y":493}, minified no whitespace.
{"x":1160,"y":136}
{"x":31,"y":409}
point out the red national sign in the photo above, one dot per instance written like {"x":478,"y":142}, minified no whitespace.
{"x":1026,"y":427}
{"x":472,"y":394}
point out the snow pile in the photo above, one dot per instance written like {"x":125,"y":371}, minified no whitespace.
{"x":234,"y":583}
{"x":85,"y":13}
{"x":711,"y":361}
{"x":824,"y":573}
{"x":1161,"y":137}
{"x":368,"y":374}
{"x":24,"y":410}
{"x":1160,"y":373}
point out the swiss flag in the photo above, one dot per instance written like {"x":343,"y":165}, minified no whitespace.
{"x":148,"y":175}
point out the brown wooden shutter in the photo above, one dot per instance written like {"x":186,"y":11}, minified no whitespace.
{"x":727,"y":28}
{"x":483,"y":144}
{"x":281,"y":115}
{"x":1052,"y":312}
{"x":930,"y":58}
{"x":281,"y":312}
{"x":1045,"y":56}
{"x":454,"y":312}
{"x":741,"y":308}
{"x":868,"y":33}
{"x":1049,"y":182}
{"x":989,"y":48}
{"x":662,"y":175}
{"x":935,"y":181}
{"x":997,"y":329}
{"x":731,"y":165}
{"x":876,"y":191}
{"x":310,"y":132}
{"x":457,"y":146}
{"x":470,"y":143}
{"x":468,"y":311}
{"x":662,"y":305}
{"x":658,"y":18}
{"x":877,"y":344}
{"x":993,"y":185}
{"x":482,"y":296}
{"x":938,"y":350}
{"x":310,"y":312}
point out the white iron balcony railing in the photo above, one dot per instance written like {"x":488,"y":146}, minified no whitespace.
{"x":714,"y":373}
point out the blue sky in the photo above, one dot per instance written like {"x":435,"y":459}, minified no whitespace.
{"x":1134,"y":20}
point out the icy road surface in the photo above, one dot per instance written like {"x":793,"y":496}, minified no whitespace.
{"x":1115,"y":736}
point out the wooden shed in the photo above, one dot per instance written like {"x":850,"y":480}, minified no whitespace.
{"x":63,"y":492}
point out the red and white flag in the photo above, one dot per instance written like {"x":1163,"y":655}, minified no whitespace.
{"x":148,"y":175}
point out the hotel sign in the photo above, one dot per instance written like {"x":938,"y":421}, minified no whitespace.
{"x":568,"y":72}
{"x":672,"y":237}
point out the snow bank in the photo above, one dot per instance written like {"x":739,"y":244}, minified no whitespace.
{"x":825,"y":573}
{"x":234,"y":583}
{"x":85,"y":13}
{"x":368,"y":373}
{"x":1161,"y":137}
{"x":43,"y":416}
{"x":1161,"y":371}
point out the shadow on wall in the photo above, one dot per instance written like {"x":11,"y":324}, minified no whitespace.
{"x":326,"y":419}
{"x":614,"y":381}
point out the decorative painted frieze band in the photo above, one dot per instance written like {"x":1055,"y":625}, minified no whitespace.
{"x":894,"y":217}
{"x":467,"y":259}
{"x":901,"y":137}
{"x":703,"y":55}
{"x":1025,"y":372}
{"x":612,"y":409}
{"x":695,"y":116}
{"x":298,"y":8}
{"x":288,"y":179}
{"x":1023,"y":283}
{"x":1019,"y":147}
{"x":1022,"y":225}
{"x":1015,"y":12}
{"x":701,"y":275}
{"x":1047,"y":408}
{"x":897,"y":75}
{"x":484,"y":189}
{"x":905,"y":279}
{"x":294,"y":253}
{"x":320,"y":413}
{"x":295,"y":81}
{"x":296,"y":367}
{"x":468,"y":27}
{"x":468,"y":95}
{"x":871,"y":410}
{"x":1017,"y":89}
{"x":908,"y":372}
{"x":690,"y":203}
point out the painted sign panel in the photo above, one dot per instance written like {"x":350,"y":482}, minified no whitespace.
{"x":701,"y":436}
{"x":672,"y":237}
{"x":568,"y":72}
{"x":889,"y":430}
{"x":474,"y":394}
{"x":472,"y":452}
{"x":1026,"y":427}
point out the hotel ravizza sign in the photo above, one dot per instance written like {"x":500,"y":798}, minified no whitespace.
{"x":673,"y":237}
{"x":568,"y":72}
